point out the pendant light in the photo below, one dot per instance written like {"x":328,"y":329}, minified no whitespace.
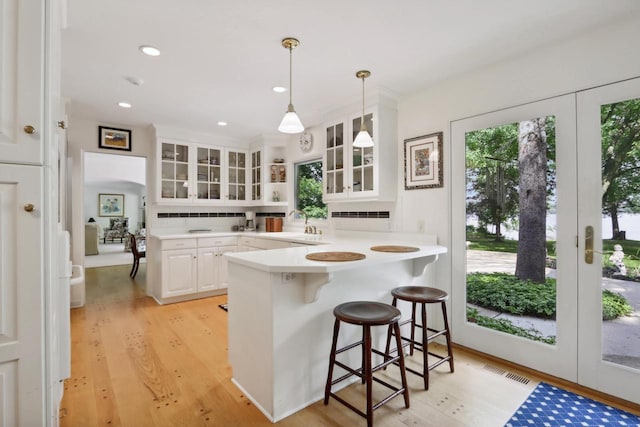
{"x":363,"y":139}
{"x":290,"y":122}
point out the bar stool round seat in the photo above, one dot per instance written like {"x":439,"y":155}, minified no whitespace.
{"x":423,"y":295}
{"x":366,"y":314}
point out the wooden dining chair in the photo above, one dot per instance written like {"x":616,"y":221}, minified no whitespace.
{"x":136,"y":256}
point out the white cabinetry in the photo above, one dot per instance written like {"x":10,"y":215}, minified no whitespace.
{"x":22,"y":81}
{"x":247,"y":244}
{"x":179,"y":272}
{"x":22,"y":301}
{"x":212,"y":264}
{"x":189,"y":173}
{"x":237,"y":170}
{"x":351,"y":173}
{"x":183,"y":269}
{"x":30,"y":318}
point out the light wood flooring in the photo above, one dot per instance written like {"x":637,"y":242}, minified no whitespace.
{"x":136,"y":363}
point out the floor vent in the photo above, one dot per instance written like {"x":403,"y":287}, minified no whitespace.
{"x":518,"y":378}
{"x":494,"y":369}
{"x":509,"y":375}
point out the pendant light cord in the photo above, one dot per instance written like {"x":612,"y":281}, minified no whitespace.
{"x":290,"y":75}
{"x":362,"y":126}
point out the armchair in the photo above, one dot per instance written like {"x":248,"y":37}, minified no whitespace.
{"x":118,"y":229}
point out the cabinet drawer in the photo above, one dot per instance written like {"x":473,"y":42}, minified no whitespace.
{"x":178,"y":244}
{"x":271,"y":244}
{"x":206,"y":242}
{"x":246,"y":241}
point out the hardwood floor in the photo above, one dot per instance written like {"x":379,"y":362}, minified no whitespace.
{"x":137,"y":363}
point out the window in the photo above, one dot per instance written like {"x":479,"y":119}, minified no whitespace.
{"x":309,"y":189}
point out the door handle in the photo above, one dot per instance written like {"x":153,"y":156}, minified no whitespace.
{"x":588,"y":244}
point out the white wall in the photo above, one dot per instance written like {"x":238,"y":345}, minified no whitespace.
{"x":603,"y":56}
{"x":132,"y":202}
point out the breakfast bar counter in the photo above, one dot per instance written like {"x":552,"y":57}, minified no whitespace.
{"x":281,"y":310}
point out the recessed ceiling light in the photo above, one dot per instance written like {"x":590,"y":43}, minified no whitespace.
{"x":279,"y":89}
{"x":149,"y":50}
{"x":222,"y":123}
{"x":124,"y":104}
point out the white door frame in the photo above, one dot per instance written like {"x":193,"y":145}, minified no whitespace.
{"x":560,"y":359}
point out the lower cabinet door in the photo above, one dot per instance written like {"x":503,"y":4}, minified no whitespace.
{"x":207,"y":269}
{"x":223,"y":269}
{"x":179,"y":272}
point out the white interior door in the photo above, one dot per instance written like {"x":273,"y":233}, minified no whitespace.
{"x":559,"y":114}
{"x":608,"y":140}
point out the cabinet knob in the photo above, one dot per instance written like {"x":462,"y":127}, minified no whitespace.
{"x":29,"y":207}
{"x":30,"y":130}
{"x":62,"y":124}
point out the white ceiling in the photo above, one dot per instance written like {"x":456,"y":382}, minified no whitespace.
{"x":220,"y":59}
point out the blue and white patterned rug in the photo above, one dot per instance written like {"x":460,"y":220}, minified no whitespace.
{"x":551,"y":406}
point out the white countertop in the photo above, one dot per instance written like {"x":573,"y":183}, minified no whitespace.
{"x":288,"y":236}
{"x":293,"y":259}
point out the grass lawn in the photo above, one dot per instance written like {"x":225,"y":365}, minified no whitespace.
{"x":631,"y":248}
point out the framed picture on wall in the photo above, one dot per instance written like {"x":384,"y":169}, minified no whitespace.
{"x":110,"y":204}
{"x":423,"y":162}
{"x":114,"y":139}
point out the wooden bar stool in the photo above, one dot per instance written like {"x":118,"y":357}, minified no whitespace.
{"x":422,"y":295}
{"x":366,"y":314}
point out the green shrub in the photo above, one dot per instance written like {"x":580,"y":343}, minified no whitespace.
{"x":614,"y":305}
{"x":507,"y":294}
{"x":505,"y":325}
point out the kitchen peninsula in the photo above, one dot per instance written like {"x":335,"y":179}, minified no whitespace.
{"x":281,"y":311}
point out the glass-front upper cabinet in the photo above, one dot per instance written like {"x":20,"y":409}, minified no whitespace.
{"x":237,"y":175}
{"x":209,"y":173}
{"x":335,"y":177}
{"x":174,"y":171}
{"x":362,"y":159}
{"x":256,"y":175}
{"x":362,"y":174}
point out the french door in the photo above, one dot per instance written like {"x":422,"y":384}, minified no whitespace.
{"x":492,"y":209}
{"x":608,"y":351}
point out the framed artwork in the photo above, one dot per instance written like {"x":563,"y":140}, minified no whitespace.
{"x":423,"y":162}
{"x":114,"y":139}
{"x":110,"y":204}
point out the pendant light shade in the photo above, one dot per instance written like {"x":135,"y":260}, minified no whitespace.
{"x":290,"y":122}
{"x":363,"y":139}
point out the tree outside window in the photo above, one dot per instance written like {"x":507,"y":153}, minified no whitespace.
{"x":309,"y":189}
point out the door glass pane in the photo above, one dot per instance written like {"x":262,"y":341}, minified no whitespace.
{"x":510,"y":211}
{"x":330,"y":137}
{"x":620,"y":138}
{"x":357,"y":180}
{"x":339,"y":183}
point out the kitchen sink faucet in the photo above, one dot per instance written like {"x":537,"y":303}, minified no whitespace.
{"x":308,"y":229}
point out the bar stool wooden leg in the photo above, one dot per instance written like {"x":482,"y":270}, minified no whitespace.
{"x":389,"y":333}
{"x":368,"y":375}
{"x":447,"y":336}
{"x":403,"y":374}
{"x":425,"y":347}
{"x":413,"y":328}
{"x":332,"y":360}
